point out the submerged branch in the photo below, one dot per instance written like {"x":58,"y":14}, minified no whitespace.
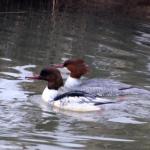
{"x":13,"y":12}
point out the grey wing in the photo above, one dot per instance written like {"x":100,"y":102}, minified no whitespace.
{"x":104,"y":83}
{"x":105,"y":91}
{"x":99,"y":91}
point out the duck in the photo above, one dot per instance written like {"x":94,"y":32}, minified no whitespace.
{"x":73,"y":100}
{"x":77,"y":68}
{"x":97,"y":86}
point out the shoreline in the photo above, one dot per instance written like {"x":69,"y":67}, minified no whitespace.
{"x":137,"y":8}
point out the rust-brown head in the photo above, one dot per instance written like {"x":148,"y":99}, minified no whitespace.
{"x":77,"y":67}
{"x":52,"y":76}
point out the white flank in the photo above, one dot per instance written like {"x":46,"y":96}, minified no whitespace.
{"x":75,"y":104}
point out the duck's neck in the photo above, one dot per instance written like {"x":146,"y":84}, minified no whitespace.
{"x":49,"y":94}
{"x":72,"y":82}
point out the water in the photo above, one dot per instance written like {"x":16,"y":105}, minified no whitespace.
{"x":114,"y":47}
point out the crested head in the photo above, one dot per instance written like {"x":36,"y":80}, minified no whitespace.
{"x":52,"y":76}
{"x":73,"y":61}
{"x":77,"y":67}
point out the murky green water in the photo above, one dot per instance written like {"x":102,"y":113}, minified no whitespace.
{"x":114,"y":47}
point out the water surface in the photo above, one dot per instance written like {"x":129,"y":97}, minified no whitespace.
{"x":114,"y":47}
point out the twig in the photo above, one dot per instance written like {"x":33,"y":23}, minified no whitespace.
{"x":13,"y":12}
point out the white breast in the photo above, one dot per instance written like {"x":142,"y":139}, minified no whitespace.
{"x":49,"y":94}
{"x":72,"y":82}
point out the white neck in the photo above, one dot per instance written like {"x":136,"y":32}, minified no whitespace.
{"x":72,"y":82}
{"x":49,"y":94}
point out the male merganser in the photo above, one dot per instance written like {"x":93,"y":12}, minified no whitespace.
{"x":99,"y":87}
{"x":73,"y":100}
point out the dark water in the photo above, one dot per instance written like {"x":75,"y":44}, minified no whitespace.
{"x":114,"y":47}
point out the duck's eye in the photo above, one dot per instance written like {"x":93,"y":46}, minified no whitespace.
{"x":67,"y":63}
{"x":44,"y":73}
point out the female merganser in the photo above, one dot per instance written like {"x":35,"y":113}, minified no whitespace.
{"x":73,"y":100}
{"x":99,"y":87}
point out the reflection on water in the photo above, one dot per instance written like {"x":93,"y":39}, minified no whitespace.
{"x":114,"y":48}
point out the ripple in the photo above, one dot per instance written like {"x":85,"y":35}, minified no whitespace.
{"x":126,"y":120}
{"x":6,"y":59}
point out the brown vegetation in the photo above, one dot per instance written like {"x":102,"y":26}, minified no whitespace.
{"x":132,"y":7}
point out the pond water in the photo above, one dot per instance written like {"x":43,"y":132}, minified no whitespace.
{"x":114,"y":47}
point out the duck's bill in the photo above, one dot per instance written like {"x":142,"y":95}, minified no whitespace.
{"x":58,"y":65}
{"x":34,"y":78}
